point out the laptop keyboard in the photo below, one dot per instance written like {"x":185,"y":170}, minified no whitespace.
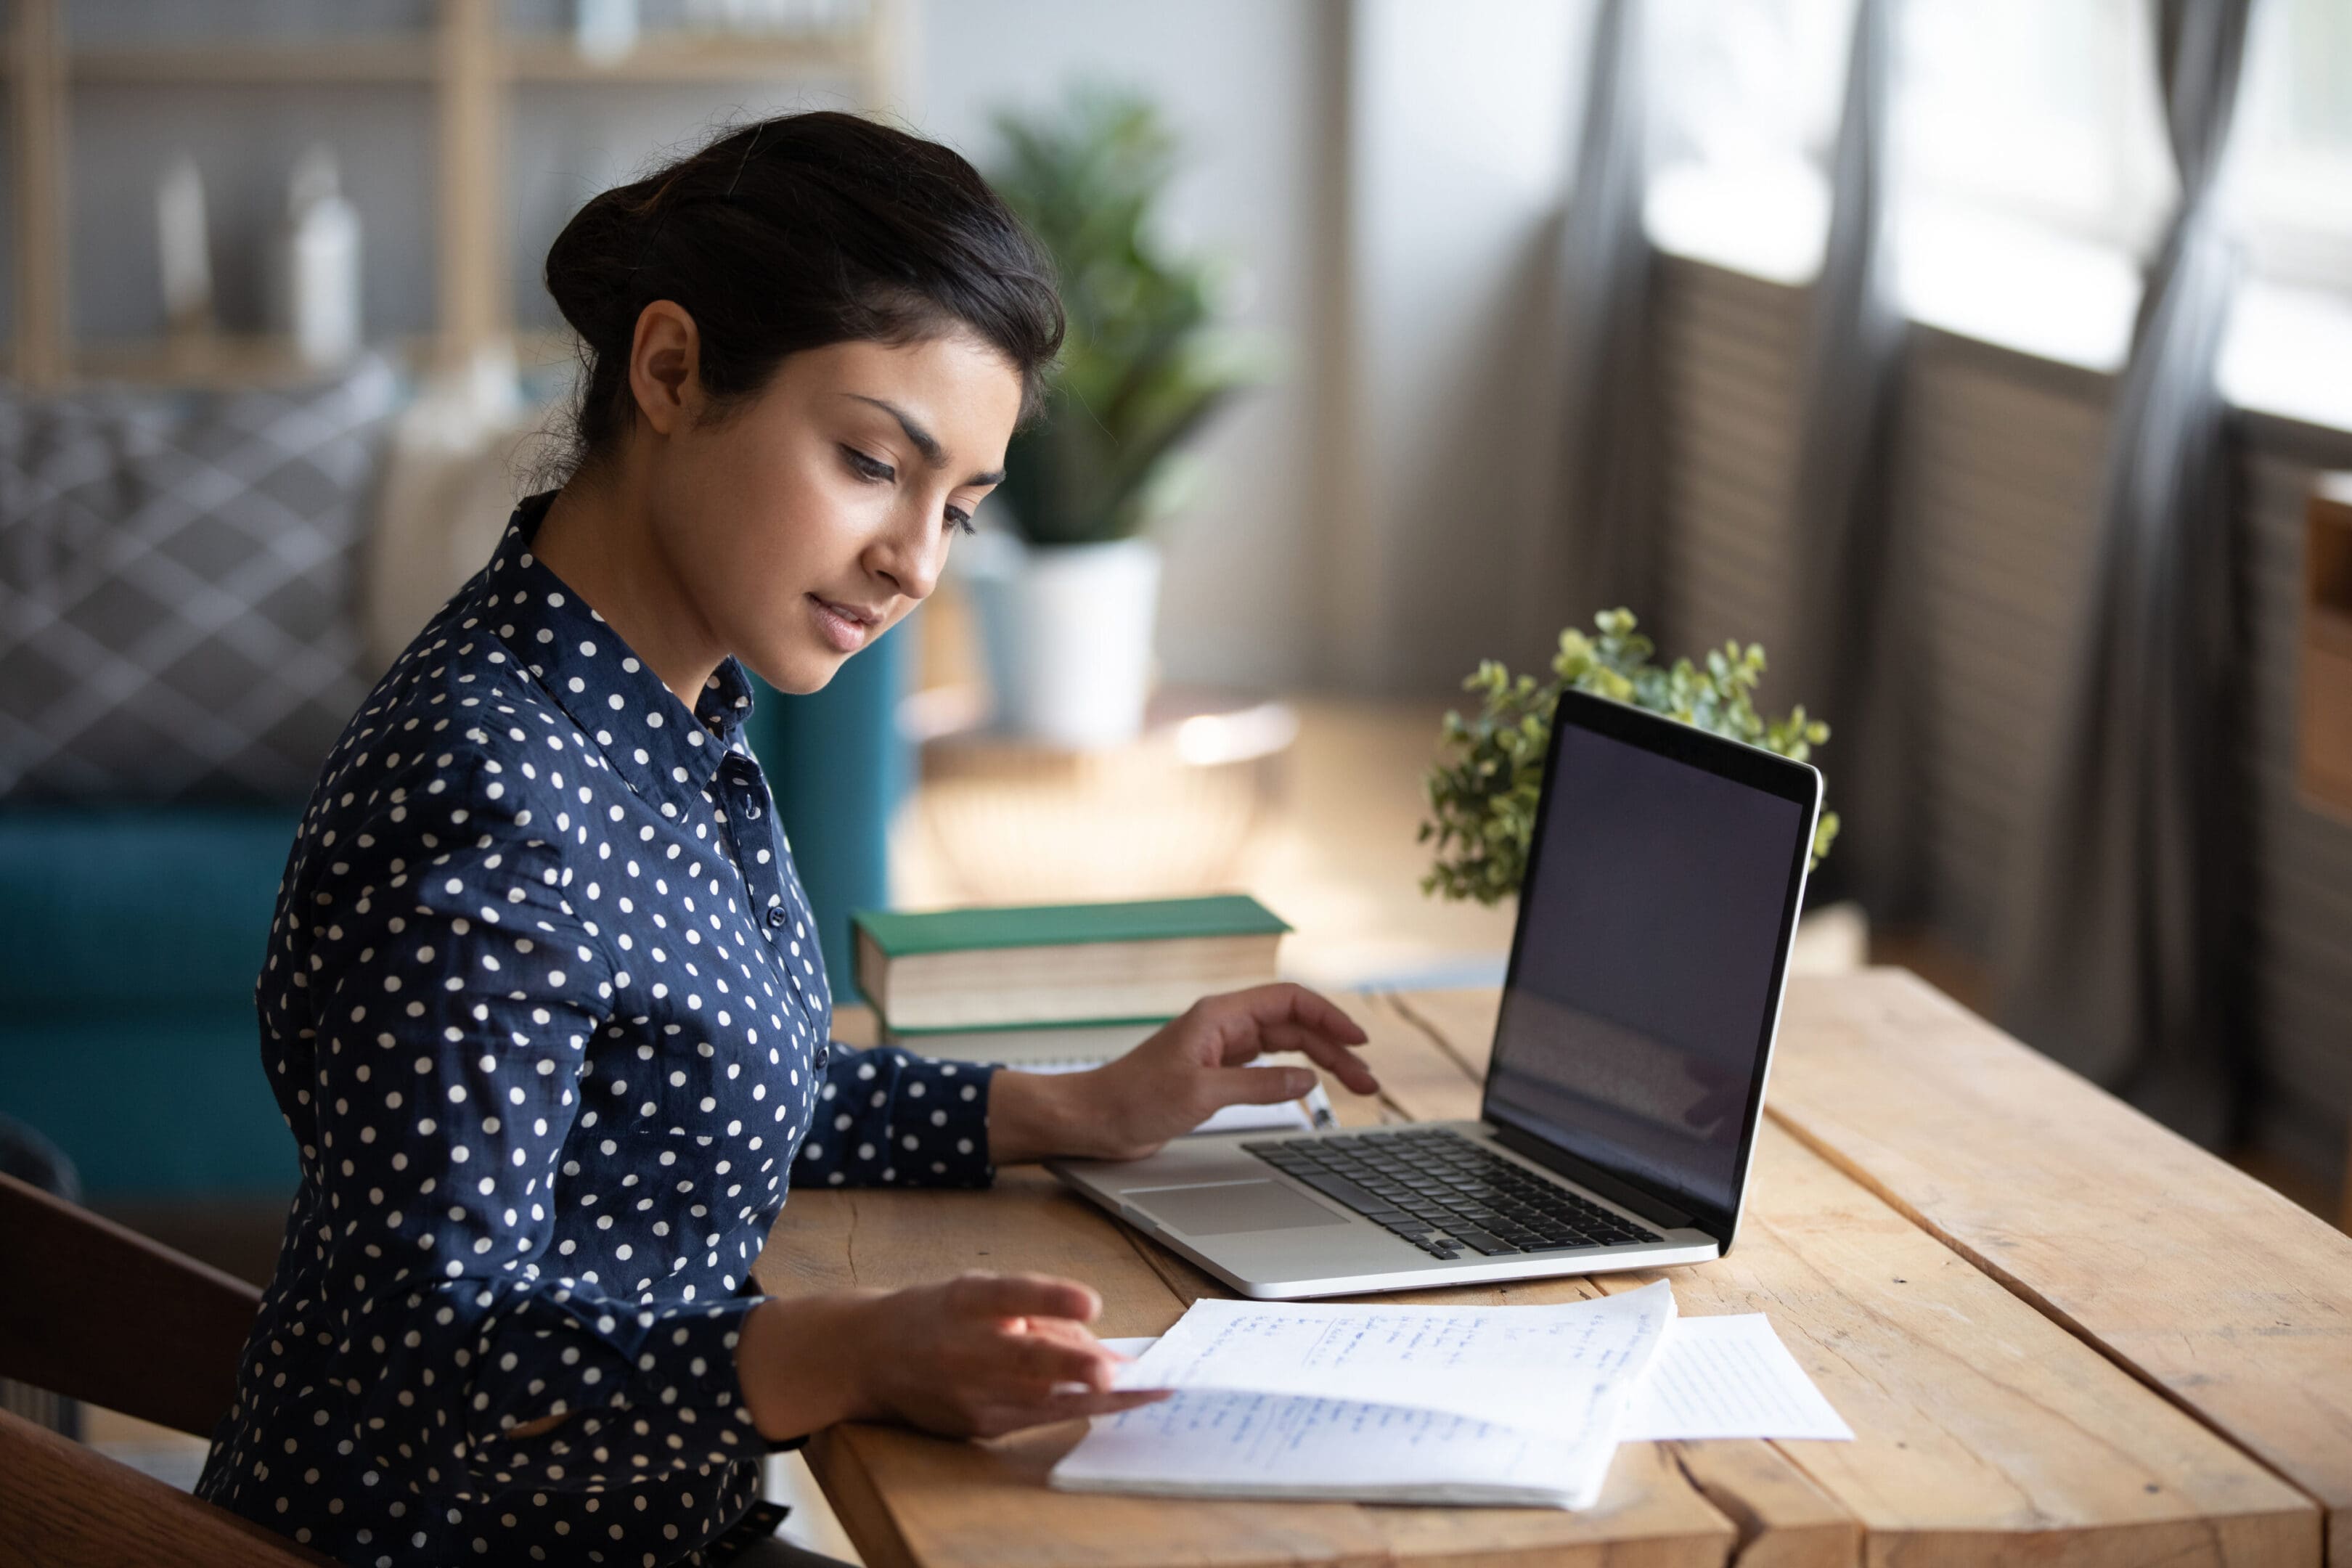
{"x":1445,"y":1194}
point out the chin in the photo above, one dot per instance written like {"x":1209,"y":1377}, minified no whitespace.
{"x":798,"y":673}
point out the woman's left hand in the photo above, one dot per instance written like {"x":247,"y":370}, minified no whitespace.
{"x":1173,"y":1081}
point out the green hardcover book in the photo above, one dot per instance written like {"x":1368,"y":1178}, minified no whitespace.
{"x":1052,"y":964}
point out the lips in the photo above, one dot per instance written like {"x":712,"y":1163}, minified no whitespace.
{"x":845,"y":627}
{"x":849,"y":612}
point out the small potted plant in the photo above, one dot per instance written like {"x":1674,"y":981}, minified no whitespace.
{"x":1066,"y":599}
{"x":1490,"y":773}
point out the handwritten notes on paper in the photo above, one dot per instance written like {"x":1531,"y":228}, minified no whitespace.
{"x":1222,"y":1443}
{"x":1497,"y":1405}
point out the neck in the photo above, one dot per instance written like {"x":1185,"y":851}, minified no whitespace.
{"x":599,"y":537}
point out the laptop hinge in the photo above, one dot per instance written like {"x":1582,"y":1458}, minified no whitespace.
{"x":1616,"y":1189}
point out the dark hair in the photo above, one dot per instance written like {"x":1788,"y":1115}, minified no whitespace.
{"x":790,"y":233}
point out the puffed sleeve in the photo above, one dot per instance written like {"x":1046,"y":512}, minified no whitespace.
{"x":887,"y":1117}
{"x":461,"y":985}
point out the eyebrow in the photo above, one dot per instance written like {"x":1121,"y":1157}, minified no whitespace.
{"x":925,"y":442}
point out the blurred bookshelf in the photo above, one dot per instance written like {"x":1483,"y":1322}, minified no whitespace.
{"x":470,"y":62}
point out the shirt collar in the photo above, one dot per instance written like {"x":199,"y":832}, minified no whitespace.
{"x":647,"y":735}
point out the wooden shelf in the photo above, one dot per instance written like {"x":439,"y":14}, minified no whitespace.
{"x":690,"y":58}
{"x":402,"y":59}
{"x":217,"y":359}
{"x":465,"y":60}
{"x":411,"y":60}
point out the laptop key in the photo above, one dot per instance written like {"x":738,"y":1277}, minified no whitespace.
{"x":1490,"y":1246}
{"x":1346,"y":1190}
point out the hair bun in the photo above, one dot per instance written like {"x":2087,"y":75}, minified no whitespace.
{"x":790,"y":234}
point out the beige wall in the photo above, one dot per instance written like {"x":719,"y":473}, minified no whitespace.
{"x":1246,"y":84}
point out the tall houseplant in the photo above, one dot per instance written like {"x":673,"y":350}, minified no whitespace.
{"x":1490,"y":773}
{"x":1066,"y":599}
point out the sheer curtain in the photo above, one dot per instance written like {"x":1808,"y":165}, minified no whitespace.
{"x":1853,"y":654}
{"x":2122,"y":956}
{"x":1611,"y":406}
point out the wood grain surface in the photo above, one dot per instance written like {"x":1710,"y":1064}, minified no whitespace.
{"x":66,"y":1506}
{"x":1985,"y":1431}
{"x":2196,"y":1278}
{"x":909,"y":1499}
{"x":1993,"y":1426}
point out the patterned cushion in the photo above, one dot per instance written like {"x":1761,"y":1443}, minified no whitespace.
{"x":178,"y":586}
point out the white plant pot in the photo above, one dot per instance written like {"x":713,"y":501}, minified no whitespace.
{"x":1066,"y":630}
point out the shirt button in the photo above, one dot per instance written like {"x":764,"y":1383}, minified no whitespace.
{"x":752,"y":811}
{"x":776,"y":916}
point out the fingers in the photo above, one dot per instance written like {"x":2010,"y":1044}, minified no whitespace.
{"x":1255,"y":1086}
{"x":995,"y":1420}
{"x":1344,"y":1063}
{"x":1038,"y":1328}
{"x":1290,"y":1017}
{"x":1032,"y":1359}
{"x":1287,"y":1002}
{"x":1022,"y":1296}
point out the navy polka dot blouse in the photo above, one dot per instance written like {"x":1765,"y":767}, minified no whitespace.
{"x":544,"y":1008}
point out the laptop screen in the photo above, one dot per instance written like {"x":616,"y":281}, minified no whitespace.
{"x":1645,"y":978}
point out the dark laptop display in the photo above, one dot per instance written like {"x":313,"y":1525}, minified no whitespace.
{"x":1661,"y":883}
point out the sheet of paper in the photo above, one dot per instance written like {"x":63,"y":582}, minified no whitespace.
{"x":1711,"y":1377}
{"x":1729,"y":1377}
{"x":1468,"y":1403}
{"x":1566,"y":1368}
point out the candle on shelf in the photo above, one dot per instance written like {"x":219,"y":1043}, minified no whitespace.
{"x":183,"y":252}
{"x":321,"y":270}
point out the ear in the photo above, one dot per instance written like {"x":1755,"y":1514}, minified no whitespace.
{"x":663,"y":366}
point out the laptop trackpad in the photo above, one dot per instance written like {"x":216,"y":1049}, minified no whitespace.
{"x":1224,"y":1208}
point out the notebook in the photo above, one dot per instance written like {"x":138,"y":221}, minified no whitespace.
{"x":1501,"y":1406}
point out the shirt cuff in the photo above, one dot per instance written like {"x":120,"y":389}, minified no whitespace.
{"x":942,"y":1123}
{"x":690,"y":1353}
{"x":649,"y":1391}
{"x":684,"y":1379}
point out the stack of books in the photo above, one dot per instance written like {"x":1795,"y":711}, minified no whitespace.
{"x":1063,"y":987}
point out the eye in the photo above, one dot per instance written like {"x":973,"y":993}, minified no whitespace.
{"x":868,"y":468}
{"x":961,"y":520}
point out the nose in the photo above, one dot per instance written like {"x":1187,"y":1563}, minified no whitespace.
{"x":910,"y":556}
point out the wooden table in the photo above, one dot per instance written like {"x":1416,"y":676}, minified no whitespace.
{"x":2062,"y":1335}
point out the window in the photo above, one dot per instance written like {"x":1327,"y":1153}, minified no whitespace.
{"x":1744,"y":105}
{"x":2030,"y":178}
{"x":2293,"y":184}
{"x":2030,"y":169}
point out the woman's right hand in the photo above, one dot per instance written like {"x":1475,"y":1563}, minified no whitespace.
{"x":974,"y":1356}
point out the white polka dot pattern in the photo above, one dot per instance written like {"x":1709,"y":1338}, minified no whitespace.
{"x":544,"y":1008}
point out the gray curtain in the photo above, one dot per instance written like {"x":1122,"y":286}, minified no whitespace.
{"x":1610,"y":412}
{"x":1853,"y":656}
{"x":2123,"y":956}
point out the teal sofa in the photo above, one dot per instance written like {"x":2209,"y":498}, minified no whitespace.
{"x":131,"y":938}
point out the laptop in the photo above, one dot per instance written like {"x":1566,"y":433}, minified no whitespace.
{"x":1618,"y":1115}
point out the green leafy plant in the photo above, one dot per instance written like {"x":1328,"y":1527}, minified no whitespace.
{"x":1484,"y":786}
{"x":1144,"y":365}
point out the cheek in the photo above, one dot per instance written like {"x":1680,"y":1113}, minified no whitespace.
{"x":767,"y":532}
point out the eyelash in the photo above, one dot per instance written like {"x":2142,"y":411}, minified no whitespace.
{"x":873,"y":468}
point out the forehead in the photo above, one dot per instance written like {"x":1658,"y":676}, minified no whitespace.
{"x":960,"y":388}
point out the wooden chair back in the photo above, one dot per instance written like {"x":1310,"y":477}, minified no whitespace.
{"x":98,"y":1312}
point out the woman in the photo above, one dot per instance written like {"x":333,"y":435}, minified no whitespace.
{"x":543,"y":1003}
